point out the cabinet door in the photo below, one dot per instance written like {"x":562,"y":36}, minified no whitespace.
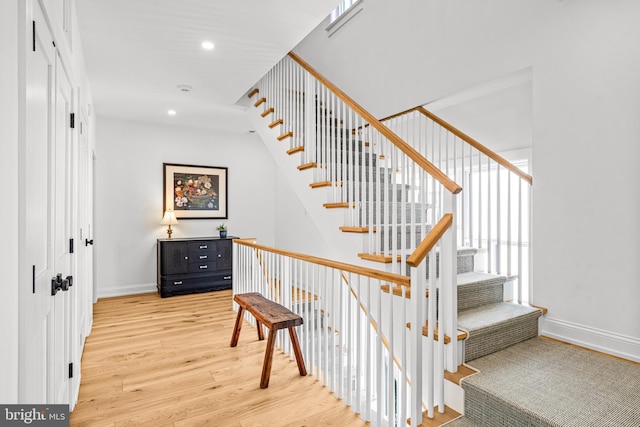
{"x":225,"y":253}
{"x":174,"y":257}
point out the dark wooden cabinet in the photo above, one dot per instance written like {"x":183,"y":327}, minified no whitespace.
{"x":188,"y":266}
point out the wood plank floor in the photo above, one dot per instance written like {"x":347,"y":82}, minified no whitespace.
{"x":159,"y":362}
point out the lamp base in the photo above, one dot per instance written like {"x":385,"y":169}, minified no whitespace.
{"x":169,"y":231}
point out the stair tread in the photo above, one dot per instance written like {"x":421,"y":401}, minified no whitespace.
{"x":469,"y":279}
{"x":462,"y":252}
{"x":475,"y":278}
{"x":490,"y":315}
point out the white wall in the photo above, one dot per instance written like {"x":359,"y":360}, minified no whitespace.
{"x":585,"y":156}
{"x":295,"y":230}
{"x":9,"y":212}
{"x":500,"y":119}
{"x":130,"y":190}
{"x":393,"y":56}
{"x":585,"y":105}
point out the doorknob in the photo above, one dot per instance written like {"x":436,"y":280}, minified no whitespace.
{"x":88,"y":242}
{"x":58,"y":283}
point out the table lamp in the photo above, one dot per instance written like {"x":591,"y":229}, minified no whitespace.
{"x":168,"y":219}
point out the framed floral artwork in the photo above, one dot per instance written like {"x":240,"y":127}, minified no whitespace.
{"x":195,"y":192}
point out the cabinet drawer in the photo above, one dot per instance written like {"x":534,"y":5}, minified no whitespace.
{"x":212,"y":279}
{"x":201,"y":267}
{"x":201,"y":247}
{"x":202,"y":257}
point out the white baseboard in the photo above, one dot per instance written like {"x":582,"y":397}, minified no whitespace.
{"x":142,"y":288}
{"x":592,"y":338}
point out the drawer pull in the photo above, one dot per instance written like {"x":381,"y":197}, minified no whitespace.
{"x":179,"y":282}
{"x":203,"y":257}
{"x":203,"y":246}
{"x":204,"y":267}
{"x":227,"y":277}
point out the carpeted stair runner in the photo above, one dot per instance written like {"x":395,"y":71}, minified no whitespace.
{"x":462,"y":422}
{"x":494,"y":327}
{"x":492,"y":324}
{"x":540,"y":382}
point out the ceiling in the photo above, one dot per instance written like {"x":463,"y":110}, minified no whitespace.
{"x":138,"y":51}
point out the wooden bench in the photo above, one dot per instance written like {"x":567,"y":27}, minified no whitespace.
{"x":274,"y":317}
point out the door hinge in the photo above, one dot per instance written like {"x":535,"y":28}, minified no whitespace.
{"x":70,"y":370}
{"x":70,"y":246}
{"x":73,"y":120}
{"x":54,"y":43}
{"x":33,"y":35}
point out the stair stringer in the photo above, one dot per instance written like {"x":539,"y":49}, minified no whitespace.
{"x":344,"y":247}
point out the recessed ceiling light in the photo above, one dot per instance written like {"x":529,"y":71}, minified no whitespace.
{"x":171,"y":112}
{"x":207,"y":45}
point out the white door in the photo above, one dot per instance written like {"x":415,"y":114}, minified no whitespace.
{"x":36,"y":303}
{"x":65,"y":245}
{"x":82,"y":292}
{"x":85,"y":224}
{"x":44,"y":318}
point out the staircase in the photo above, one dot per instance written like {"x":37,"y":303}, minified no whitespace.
{"x":395,"y":209}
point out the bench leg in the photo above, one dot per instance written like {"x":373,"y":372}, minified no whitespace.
{"x":259,"y":326}
{"x":236,"y":329}
{"x":296,"y":349}
{"x":268,"y":357}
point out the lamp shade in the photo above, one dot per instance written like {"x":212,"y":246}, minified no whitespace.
{"x":169,"y":218}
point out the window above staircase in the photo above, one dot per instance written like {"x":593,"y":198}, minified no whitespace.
{"x":343,"y":13}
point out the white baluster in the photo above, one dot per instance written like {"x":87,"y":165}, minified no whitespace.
{"x":417,"y":276}
{"x":520,"y":213}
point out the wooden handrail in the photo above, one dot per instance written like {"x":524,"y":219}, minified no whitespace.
{"x":407,"y":149}
{"x":363,"y":271}
{"x":466,"y":138}
{"x":401,"y":113}
{"x":430,"y":240}
{"x":248,"y":241}
{"x":491,"y":154}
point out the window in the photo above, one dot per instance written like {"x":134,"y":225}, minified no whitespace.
{"x":342,"y":8}
{"x":342,"y":14}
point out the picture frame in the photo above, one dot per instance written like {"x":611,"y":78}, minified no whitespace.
{"x":195,"y":192}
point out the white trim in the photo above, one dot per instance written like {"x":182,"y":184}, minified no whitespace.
{"x":592,"y":338}
{"x":347,"y":16}
{"x":142,"y":288}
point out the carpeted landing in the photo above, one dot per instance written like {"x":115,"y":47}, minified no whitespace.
{"x":540,"y":382}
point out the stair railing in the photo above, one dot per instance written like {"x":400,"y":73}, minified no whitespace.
{"x":370,"y":364}
{"x":392,"y":195}
{"x":385,"y":186}
{"x":494,"y":210}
